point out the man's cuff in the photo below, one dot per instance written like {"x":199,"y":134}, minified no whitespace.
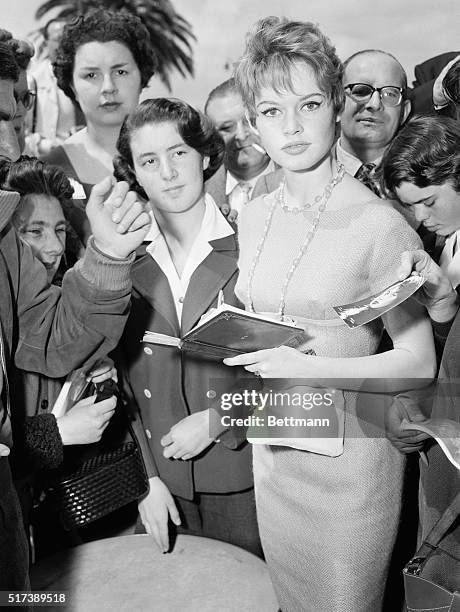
{"x":103,"y":271}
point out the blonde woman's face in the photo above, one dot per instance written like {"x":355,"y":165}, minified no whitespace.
{"x":297,"y":128}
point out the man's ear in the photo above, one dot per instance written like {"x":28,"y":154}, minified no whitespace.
{"x":405,"y":111}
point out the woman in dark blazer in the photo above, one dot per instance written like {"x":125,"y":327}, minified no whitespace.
{"x":166,"y":151}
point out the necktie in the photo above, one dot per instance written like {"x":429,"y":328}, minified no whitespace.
{"x":240,"y":195}
{"x":245,"y":190}
{"x":367,"y":175}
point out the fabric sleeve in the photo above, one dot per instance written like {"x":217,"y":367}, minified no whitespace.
{"x":393,"y":236}
{"x":57,"y":329}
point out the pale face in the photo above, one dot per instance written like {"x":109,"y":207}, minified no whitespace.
{"x":228,"y":115}
{"x":40,"y":222}
{"x":9,"y":148}
{"x":371,"y":123}
{"x":170,"y":171}
{"x":297,"y":128}
{"x":106,"y":82}
{"x":436,"y":206}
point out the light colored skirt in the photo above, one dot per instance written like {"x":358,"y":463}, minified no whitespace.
{"x":328,"y":525}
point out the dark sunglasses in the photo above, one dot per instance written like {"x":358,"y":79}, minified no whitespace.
{"x":362,"y":92}
{"x":27,"y":99}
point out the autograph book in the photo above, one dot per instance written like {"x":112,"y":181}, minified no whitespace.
{"x":227,"y":331}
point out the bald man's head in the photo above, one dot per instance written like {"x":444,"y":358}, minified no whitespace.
{"x":369,"y":125}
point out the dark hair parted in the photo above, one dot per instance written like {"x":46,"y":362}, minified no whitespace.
{"x":103,"y":26}
{"x":425,"y":152}
{"x":274,"y":47}
{"x":9,"y":69}
{"x":196,"y":130}
{"x":29,"y":175}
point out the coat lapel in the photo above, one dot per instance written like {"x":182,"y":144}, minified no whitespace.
{"x":151,"y":283}
{"x":210,"y":276}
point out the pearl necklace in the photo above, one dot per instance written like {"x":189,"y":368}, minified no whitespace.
{"x":308,"y":238}
{"x":298,"y":209}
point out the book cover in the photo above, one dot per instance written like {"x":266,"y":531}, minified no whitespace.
{"x":226,"y":331}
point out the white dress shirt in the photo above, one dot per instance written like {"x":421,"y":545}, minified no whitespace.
{"x":213,"y":227}
{"x":237,"y":196}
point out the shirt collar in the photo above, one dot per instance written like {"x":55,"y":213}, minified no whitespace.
{"x":350,"y":162}
{"x":213,"y":226}
{"x":232,"y":181}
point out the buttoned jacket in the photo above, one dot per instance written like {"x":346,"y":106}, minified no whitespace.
{"x":168,"y":385}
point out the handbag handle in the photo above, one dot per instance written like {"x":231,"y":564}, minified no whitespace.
{"x":441,"y":527}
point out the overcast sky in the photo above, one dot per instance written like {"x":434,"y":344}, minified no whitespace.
{"x":413,"y":30}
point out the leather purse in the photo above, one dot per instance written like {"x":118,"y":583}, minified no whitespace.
{"x":425,"y":573}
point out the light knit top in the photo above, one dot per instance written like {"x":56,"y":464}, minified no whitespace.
{"x":354,"y":253}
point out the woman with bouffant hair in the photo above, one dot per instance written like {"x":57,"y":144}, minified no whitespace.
{"x":166,"y":151}
{"x":103,"y":62}
{"x":328,"y":505}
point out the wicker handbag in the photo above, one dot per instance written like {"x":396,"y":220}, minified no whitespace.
{"x":97,"y":479}
{"x":423,"y":575}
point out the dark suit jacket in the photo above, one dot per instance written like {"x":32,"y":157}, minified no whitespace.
{"x":440,"y":479}
{"x":425,"y":75}
{"x":168,"y":385}
{"x":215,"y":186}
{"x":267,"y":183}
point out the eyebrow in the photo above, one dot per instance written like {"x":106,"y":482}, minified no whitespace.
{"x":171,"y":148}
{"x":112,"y":67}
{"x":316,"y":93}
{"x":43,"y":223}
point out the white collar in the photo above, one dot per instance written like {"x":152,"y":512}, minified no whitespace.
{"x":213,"y":226}
{"x":351,"y":163}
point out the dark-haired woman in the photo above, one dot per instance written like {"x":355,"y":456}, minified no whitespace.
{"x":103,"y":62}
{"x":166,"y":151}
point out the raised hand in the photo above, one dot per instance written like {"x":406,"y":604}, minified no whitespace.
{"x":118,"y":217}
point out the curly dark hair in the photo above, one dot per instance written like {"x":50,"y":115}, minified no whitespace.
{"x":424,"y":152}
{"x":101,"y":25}
{"x":9,"y":69}
{"x":23,"y":50}
{"x":196,"y":130}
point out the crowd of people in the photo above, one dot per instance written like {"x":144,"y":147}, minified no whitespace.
{"x":305,"y":183}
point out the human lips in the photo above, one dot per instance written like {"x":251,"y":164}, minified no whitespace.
{"x":110,"y":106}
{"x":369,"y":120}
{"x":174,"y":189}
{"x":295,"y":148}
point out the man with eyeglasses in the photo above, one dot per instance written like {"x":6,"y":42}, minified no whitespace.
{"x":375,"y":108}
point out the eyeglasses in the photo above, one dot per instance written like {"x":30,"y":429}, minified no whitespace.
{"x":362,"y":92}
{"x":27,"y":98}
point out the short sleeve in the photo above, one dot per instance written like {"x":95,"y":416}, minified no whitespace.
{"x":393,"y":236}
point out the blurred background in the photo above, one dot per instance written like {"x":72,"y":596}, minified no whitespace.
{"x":413,"y":31}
